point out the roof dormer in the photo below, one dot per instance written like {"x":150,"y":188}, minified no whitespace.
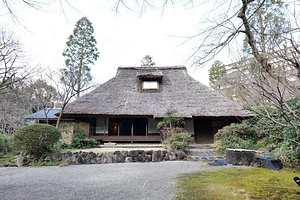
{"x":150,"y":80}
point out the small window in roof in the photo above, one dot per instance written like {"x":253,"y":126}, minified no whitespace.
{"x":150,"y":85}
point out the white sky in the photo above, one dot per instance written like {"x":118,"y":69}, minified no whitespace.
{"x":123,"y":39}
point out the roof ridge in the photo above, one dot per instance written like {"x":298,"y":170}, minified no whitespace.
{"x":153,"y":67}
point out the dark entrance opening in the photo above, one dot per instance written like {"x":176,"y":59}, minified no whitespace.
{"x":127,"y":126}
{"x":140,"y":127}
{"x":203,"y":131}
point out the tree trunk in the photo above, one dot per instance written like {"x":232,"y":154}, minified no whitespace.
{"x":60,"y":114}
{"x":79,"y":79}
{"x":251,"y":40}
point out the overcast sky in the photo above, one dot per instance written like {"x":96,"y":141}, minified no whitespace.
{"x":123,"y":38}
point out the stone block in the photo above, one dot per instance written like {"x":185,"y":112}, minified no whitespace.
{"x":148,"y":158}
{"x":239,"y":156}
{"x":180,"y":155}
{"x":118,"y":158}
{"x":133,"y":153}
{"x":156,"y":156}
{"x":128,"y":159}
{"x":268,"y":163}
{"x":124,"y":153}
{"x":149,"y":152}
{"x":172,"y":155}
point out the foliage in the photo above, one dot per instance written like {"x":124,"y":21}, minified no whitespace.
{"x":170,"y":124}
{"x":6,"y":143}
{"x":170,"y":120}
{"x":241,"y":136}
{"x":267,"y":23}
{"x":238,"y":184}
{"x":270,"y":129}
{"x":7,"y":159}
{"x":173,"y":134}
{"x":180,"y":140}
{"x":147,"y":61}
{"x":41,"y":94}
{"x":282,"y":139}
{"x":36,"y":139}
{"x":80,"y":53}
{"x":49,"y":163}
{"x":80,"y":140}
{"x":216,"y":72}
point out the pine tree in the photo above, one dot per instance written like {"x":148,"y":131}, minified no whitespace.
{"x":216,"y":72}
{"x":147,"y":61}
{"x":80,"y":53}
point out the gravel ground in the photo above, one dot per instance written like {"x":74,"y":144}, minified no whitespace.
{"x":107,"y":181}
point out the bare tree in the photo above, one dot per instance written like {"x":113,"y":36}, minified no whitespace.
{"x":64,"y":88}
{"x":12,"y":66}
{"x":11,"y":6}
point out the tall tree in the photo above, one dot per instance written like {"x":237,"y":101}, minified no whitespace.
{"x":80,"y":53}
{"x":267,"y":23}
{"x":216,"y":72}
{"x":147,"y":61}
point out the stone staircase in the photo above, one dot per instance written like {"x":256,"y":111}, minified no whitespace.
{"x":203,"y":152}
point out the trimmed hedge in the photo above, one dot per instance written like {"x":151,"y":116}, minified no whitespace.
{"x":36,"y":139}
{"x":236,"y":136}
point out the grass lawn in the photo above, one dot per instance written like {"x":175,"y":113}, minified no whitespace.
{"x":238,"y":183}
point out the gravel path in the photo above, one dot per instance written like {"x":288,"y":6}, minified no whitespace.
{"x":106,"y":181}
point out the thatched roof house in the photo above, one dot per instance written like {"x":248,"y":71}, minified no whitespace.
{"x":138,"y":97}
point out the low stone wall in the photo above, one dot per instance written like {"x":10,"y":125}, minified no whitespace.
{"x":81,"y":157}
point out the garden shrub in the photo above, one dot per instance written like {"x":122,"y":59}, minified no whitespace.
{"x":174,"y":136}
{"x":170,"y":124}
{"x":170,"y":120}
{"x":281,"y":141}
{"x":179,"y":140}
{"x":239,"y":136}
{"x":80,"y":139}
{"x":6,"y":143}
{"x":36,"y":139}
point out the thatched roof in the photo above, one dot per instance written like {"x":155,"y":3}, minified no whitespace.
{"x":123,"y":95}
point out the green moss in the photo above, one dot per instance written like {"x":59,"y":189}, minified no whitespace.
{"x":39,"y":164}
{"x":238,"y":183}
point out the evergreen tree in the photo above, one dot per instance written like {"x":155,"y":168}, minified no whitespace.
{"x":216,"y":72}
{"x":147,"y":61}
{"x":80,"y":53}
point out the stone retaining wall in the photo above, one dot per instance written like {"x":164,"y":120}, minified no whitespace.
{"x":117,"y":156}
